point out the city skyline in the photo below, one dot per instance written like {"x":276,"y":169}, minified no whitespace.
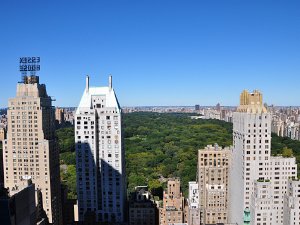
{"x":242,"y":183}
{"x":185,"y":51}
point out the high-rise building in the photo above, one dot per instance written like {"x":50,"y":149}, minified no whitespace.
{"x":291,"y":208}
{"x":253,"y":166}
{"x":193,"y":204}
{"x":213,"y":172}
{"x":30,"y":150}
{"x":173,"y":208}
{"x":142,"y":207}
{"x":197,"y":107}
{"x":100,"y":161}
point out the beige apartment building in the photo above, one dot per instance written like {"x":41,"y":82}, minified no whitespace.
{"x":60,"y":115}
{"x":173,"y":208}
{"x":30,"y":150}
{"x":213,"y":172}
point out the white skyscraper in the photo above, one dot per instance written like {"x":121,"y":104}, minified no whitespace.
{"x":252,"y":165}
{"x":100,"y":162}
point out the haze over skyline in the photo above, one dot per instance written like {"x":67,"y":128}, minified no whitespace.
{"x":158,"y":52}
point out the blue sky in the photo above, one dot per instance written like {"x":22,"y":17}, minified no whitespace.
{"x":163,"y":52}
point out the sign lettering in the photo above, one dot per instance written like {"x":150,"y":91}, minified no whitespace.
{"x":30,"y":64}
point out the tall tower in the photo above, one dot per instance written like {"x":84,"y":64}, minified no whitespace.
{"x":254,"y":170}
{"x":100,"y":159}
{"x":251,"y":150}
{"x":30,"y":150}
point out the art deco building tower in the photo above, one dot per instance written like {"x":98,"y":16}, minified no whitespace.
{"x":30,"y":150}
{"x":100,"y":165}
{"x":258,"y":181}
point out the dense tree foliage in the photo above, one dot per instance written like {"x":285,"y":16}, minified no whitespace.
{"x":286,"y":147}
{"x":66,"y":140}
{"x":66,"y":144}
{"x":158,"y":146}
{"x":68,"y":177}
{"x":68,"y":158}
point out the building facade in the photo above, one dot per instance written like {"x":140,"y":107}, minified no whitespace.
{"x":173,"y":208}
{"x":213,"y":173}
{"x":193,"y":204}
{"x":30,"y":150}
{"x":60,"y":115}
{"x":291,"y":212}
{"x":142,"y":208}
{"x":100,"y":161}
{"x":18,"y":207}
{"x":252,"y":162}
{"x":262,"y":201}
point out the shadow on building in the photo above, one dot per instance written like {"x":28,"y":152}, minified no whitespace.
{"x":142,"y":207}
{"x":68,"y":206}
{"x":99,"y":187}
{"x":18,"y":207}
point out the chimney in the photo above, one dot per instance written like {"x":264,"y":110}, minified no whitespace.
{"x":87,"y":83}
{"x":110,"y":82}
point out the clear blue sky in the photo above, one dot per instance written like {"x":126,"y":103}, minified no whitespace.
{"x":163,"y":52}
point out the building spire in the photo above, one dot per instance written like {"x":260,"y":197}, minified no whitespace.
{"x":87,"y":83}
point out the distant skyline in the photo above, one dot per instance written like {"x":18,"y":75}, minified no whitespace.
{"x":160,"y":53}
